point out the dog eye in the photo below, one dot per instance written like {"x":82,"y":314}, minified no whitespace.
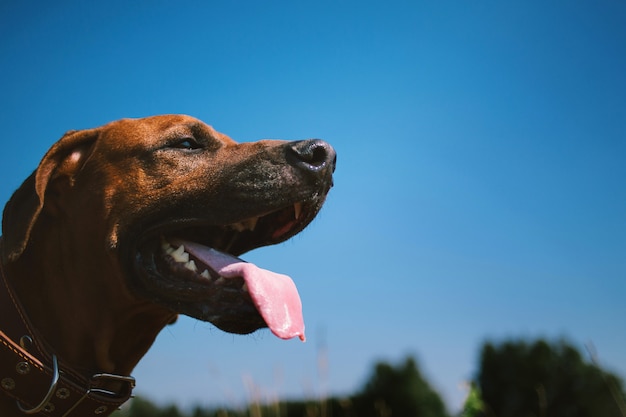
{"x":185,"y":143}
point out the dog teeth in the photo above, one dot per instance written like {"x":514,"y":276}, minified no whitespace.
{"x":248,"y":224}
{"x":167,"y":248}
{"x":297,"y":209}
{"x":191,"y":265}
{"x":180,"y":255}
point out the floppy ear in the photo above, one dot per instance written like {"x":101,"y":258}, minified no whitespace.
{"x":65,"y":158}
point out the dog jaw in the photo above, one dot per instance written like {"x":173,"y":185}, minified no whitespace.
{"x":174,"y":276}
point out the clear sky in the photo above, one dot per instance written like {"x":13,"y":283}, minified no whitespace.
{"x":480,"y":191}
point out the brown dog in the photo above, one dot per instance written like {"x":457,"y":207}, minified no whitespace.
{"x":121,"y":228}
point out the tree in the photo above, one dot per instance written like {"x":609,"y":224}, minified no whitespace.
{"x":398,"y":391}
{"x":473,"y":406}
{"x":542,"y":380}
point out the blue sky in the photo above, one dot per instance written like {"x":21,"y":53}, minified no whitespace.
{"x":480,"y":190}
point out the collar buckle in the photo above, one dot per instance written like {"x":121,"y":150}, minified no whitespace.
{"x":53,"y":385}
{"x":111,"y":385}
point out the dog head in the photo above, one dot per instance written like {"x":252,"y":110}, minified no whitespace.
{"x":141,"y":189}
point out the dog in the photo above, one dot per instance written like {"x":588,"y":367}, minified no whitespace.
{"x":125,"y":226}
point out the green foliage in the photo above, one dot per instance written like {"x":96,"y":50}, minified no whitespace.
{"x":398,"y":391}
{"x":140,"y":407}
{"x":473,"y":406}
{"x":543,"y":380}
{"x":516,"y":379}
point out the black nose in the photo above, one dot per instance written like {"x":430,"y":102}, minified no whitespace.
{"x":313,"y":155}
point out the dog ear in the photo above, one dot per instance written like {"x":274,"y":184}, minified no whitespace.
{"x":64,"y":158}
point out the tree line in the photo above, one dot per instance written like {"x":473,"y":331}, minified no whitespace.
{"x":515,"y":379}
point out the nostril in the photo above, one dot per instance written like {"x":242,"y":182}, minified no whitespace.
{"x":313,"y":154}
{"x":316,"y":157}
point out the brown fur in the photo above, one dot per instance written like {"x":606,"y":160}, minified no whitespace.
{"x":72,"y":231}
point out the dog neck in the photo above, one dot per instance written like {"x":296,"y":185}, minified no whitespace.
{"x":92,"y":326}
{"x":35,"y":380}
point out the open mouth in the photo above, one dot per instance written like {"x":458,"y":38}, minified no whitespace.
{"x":193,"y":269}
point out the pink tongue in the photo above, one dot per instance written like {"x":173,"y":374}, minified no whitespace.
{"x":274,"y":295}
